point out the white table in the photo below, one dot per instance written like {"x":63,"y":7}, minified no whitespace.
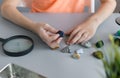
{"x":53,"y":63}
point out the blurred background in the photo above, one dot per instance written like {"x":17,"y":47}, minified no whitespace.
{"x":118,"y":6}
{"x":97,"y":3}
{"x":117,"y":10}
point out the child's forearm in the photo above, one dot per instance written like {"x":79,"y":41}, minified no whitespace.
{"x":11,"y":13}
{"x":105,"y":10}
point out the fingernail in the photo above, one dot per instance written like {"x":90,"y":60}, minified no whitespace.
{"x":67,"y":43}
{"x":58,"y":35}
{"x":61,"y":38}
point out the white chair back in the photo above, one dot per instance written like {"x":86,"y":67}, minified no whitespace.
{"x":92,"y":6}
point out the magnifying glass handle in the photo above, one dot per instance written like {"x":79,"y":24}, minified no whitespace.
{"x":2,"y":40}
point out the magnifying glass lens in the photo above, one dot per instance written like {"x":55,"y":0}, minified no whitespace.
{"x":17,"y":45}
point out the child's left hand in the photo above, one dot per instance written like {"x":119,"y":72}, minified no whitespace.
{"x":82,"y":33}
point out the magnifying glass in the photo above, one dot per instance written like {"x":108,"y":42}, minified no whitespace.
{"x":18,"y":45}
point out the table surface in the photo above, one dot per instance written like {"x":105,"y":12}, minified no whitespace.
{"x":53,"y":63}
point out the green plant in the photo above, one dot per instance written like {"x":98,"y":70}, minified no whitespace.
{"x":112,"y":61}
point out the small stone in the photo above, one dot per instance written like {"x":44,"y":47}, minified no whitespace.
{"x":55,"y":48}
{"x":99,"y":44}
{"x":117,"y":41}
{"x":86,"y":44}
{"x":79,"y":51}
{"x":117,"y":33}
{"x":76,"y":55}
{"x":66,"y":50}
{"x":98,"y":54}
{"x":61,"y":33}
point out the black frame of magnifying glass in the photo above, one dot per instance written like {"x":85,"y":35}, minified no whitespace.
{"x":116,"y":20}
{"x":19,"y":53}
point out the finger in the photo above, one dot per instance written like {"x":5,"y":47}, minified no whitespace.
{"x":72,"y":35}
{"x":49,"y":33}
{"x":55,"y":44}
{"x":83,"y":37}
{"x":88,"y":38}
{"x":77,"y":37}
{"x":48,"y":36}
{"x":54,"y":37}
{"x":50,"y":28}
{"x":44,"y":35}
{"x":59,"y":40}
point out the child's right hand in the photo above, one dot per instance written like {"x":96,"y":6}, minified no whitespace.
{"x":48,"y":34}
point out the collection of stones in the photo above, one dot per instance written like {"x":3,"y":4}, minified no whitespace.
{"x":97,"y":54}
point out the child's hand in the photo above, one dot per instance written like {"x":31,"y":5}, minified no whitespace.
{"x":48,"y":34}
{"x":81,"y":33}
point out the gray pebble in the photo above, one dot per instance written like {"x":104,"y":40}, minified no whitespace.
{"x":76,"y":55}
{"x":66,"y":50}
{"x":86,"y":45}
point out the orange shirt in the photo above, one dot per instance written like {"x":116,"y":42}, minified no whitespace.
{"x":58,"y":6}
